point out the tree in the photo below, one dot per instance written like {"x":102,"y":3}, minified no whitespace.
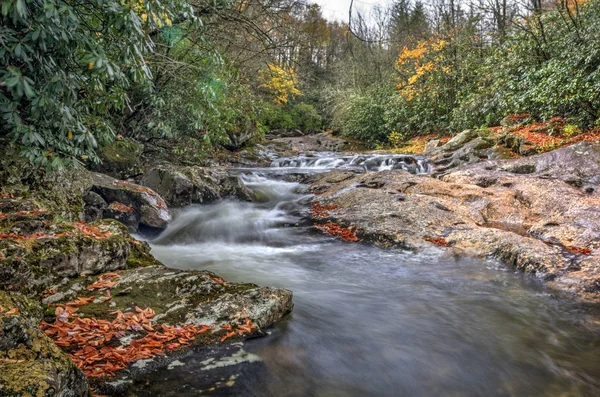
{"x":67,"y":67}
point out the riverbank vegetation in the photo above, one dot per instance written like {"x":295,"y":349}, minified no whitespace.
{"x":208,"y":74}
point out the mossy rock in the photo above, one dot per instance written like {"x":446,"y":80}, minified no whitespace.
{"x":31,"y":265}
{"x":58,"y":191}
{"x":120,"y":159}
{"x":30,"y":363}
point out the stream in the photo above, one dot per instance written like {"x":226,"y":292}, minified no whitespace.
{"x":369,"y":321}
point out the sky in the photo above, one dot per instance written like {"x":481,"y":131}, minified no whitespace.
{"x":338,"y":9}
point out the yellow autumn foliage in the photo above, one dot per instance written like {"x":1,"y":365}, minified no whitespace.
{"x":280,"y":82}
{"x":416,"y":66}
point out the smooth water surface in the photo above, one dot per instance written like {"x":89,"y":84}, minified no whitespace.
{"x":370,"y":321}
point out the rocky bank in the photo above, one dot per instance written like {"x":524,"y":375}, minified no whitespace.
{"x":538,"y":214}
{"x":82,"y":303}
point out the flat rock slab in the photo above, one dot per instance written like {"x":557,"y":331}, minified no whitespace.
{"x":544,"y":226}
{"x":177,"y":299}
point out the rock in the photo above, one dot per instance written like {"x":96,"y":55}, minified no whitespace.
{"x":94,"y":206}
{"x":150,"y":207}
{"x":576,"y":165}
{"x":431,"y":146}
{"x":459,"y":140}
{"x":538,"y":222}
{"x":322,"y":142}
{"x":179,"y":298}
{"x":471,"y":152}
{"x":124,"y":214}
{"x":120,"y":159}
{"x":30,"y":363}
{"x":172,"y":185}
{"x":182,"y":186}
{"x":282,"y":133}
{"x":29,"y":263}
{"x":59,"y":191}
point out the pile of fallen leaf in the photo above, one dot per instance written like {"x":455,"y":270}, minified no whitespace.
{"x":106,"y":280}
{"x":94,"y":345}
{"x":322,"y":211}
{"x":91,"y":231}
{"x":345,"y":233}
{"x":439,"y":241}
{"x":579,"y":250}
{"x":9,"y":312}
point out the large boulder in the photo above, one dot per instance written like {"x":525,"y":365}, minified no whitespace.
{"x":58,"y":191}
{"x":150,"y":206}
{"x":459,"y":140}
{"x":578,"y":165}
{"x":34,"y":253}
{"x":172,"y":185}
{"x":181,"y":186}
{"x":166,"y":302}
{"x":30,"y":363}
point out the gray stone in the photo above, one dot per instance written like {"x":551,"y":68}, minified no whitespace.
{"x":150,"y":206}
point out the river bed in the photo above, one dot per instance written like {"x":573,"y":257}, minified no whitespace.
{"x":369,"y":321}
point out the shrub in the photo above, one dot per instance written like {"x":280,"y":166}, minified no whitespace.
{"x":365,"y":120}
{"x":305,"y":117}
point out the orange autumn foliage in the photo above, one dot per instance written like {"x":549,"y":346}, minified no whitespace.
{"x":345,"y":233}
{"x":97,"y":359}
{"x":104,"y":281}
{"x":439,"y":241}
{"x":322,"y":211}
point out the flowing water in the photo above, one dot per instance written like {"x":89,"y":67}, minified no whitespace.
{"x":370,"y":321}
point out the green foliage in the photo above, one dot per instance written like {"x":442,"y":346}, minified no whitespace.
{"x":544,"y":73}
{"x":67,"y":66}
{"x":454,"y":79}
{"x":396,"y":139}
{"x":301,"y":116}
{"x":365,"y":120}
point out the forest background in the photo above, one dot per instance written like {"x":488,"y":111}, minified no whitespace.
{"x":206,"y":75}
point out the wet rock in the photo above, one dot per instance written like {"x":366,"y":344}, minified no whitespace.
{"x":124,"y":214}
{"x":30,"y":363}
{"x":30,"y":263}
{"x":94,"y":206}
{"x":172,"y":185}
{"x":186,"y":185}
{"x":536,"y":222}
{"x":120,"y":159}
{"x":179,"y":298}
{"x":150,"y":206}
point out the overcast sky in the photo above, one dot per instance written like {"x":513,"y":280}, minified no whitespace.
{"x":338,"y":9}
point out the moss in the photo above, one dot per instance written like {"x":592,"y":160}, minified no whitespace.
{"x":40,"y":367}
{"x":25,"y":305}
{"x":122,"y":151}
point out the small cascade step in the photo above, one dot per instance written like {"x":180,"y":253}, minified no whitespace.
{"x":369,"y":163}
